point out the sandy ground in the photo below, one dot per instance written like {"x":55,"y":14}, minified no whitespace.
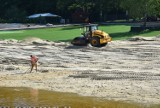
{"x":122,"y":70}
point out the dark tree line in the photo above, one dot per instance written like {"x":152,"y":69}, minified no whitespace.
{"x":77,"y":10}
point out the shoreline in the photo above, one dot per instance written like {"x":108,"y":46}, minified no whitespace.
{"x":121,"y":71}
{"x":58,"y":81}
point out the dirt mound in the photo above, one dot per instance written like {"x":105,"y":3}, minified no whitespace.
{"x":141,"y":38}
{"x":38,"y":41}
{"x":10,"y":41}
{"x":35,"y":40}
{"x":31,"y":39}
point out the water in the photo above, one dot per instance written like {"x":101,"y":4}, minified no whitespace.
{"x":29,"y":97}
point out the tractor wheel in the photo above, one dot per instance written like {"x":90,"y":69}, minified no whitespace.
{"x":95,"y":41}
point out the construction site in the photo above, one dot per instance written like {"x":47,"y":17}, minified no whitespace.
{"x":122,"y":70}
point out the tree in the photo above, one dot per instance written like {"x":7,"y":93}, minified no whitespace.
{"x":141,"y":8}
{"x":72,"y":6}
{"x":154,"y":7}
{"x":94,"y":9}
{"x":62,"y":7}
{"x":105,"y":7}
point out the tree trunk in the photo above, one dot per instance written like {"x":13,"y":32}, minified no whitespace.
{"x":145,"y":22}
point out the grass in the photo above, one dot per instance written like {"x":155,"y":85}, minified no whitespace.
{"x":117,"y":32}
{"x":122,"y":32}
{"x":53,"y":34}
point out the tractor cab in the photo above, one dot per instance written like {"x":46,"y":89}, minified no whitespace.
{"x":88,"y":29}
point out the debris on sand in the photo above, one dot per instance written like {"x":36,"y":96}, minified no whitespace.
{"x":34,"y":40}
{"x":141,"y":38}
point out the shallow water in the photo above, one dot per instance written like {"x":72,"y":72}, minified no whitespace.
{"x":29,"y":97}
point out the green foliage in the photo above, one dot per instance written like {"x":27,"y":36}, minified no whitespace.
{"x":82,"y":5}
{"x":96,"y":9}
{"x":154,"y":7}
{"x":64,"y":8}
{"x":139,"y":8}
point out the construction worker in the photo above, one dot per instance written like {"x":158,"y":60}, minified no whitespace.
{"x":34,"y":61}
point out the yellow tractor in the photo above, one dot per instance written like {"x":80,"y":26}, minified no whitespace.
{"x":92,"y":35}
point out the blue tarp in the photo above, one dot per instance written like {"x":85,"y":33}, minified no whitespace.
{"x":43,"y":15}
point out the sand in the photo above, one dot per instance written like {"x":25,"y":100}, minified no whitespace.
{"x":122,"y":70}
